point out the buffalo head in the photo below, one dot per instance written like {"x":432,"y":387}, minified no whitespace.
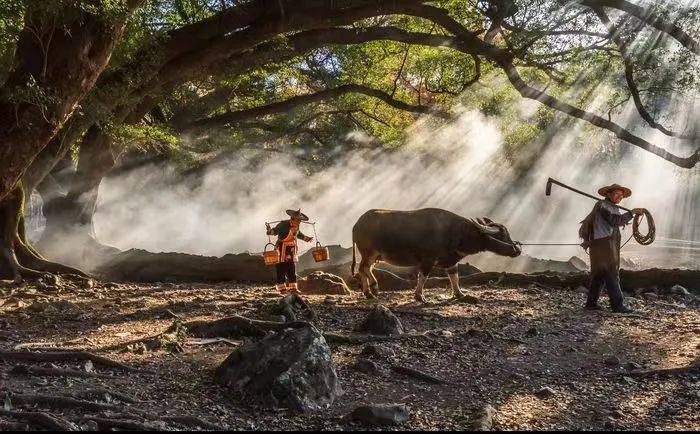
{"x":495,"y":238}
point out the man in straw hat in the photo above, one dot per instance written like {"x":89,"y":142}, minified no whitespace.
{"x":600,"y":231}
{"x":287,"y":232}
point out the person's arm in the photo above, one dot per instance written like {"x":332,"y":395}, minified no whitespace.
{"x":613,"y":218}
{"x":303,"y":237}
{"x":273,"y":231}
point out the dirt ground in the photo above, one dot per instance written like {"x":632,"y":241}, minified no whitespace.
{"x":503,"y":350}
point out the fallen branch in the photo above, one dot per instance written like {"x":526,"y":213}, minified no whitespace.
{"x":41,"y":419}
{"x":691,"y":369}
{"x":61,"y":402}
{"x":54,"y":372}
{"x":415,"y":373}
{"x":27,"y":356}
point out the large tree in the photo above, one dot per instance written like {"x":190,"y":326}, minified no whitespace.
{"x":535,"y":44}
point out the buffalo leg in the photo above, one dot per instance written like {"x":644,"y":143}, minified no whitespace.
{"x":373,"y":284}
{"x":363,"y":271}
{"x":453,"y":274}
{"x":419,"y":287}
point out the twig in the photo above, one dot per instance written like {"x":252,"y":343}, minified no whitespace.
{"x":127,"y":424}
{"x":102,"y":392}
{"x":411,"y":372}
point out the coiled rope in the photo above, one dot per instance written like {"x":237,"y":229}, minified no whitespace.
{"x":643,"y":239}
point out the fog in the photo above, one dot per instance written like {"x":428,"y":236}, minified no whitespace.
{"x":464,"y":166}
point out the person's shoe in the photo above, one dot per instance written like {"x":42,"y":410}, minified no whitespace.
{"x":593,"y":307}
{"x":622,"y":309}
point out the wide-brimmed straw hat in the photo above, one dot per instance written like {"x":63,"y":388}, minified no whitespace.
{"x":626,"y":192}
{"x":297,"y":214}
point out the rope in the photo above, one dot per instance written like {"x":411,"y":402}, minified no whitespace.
{"x":647,"y":239}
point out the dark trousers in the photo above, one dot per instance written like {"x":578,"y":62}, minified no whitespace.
{"x":605,"y":270}
{"x":286,"y":270}
{"x":609,"y":279}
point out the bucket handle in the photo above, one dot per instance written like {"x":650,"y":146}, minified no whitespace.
{"x":268,"y":244}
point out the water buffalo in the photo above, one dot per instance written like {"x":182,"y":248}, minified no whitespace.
{"x":423,"y":238}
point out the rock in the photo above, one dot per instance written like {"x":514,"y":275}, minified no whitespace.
{"x":483,"y":418}
{"x":320,"y":283}
{"x":381,"y":321}
{"x":679,"y":290}
{"x":373,"y":350}
{"x":545,"y":392}
{"x":366,"y":366}
{"x":380,"y":414}
{"x":578,"y":263}
{"x":582,"y":289}
{"x":651,"y":295}
{"x":612,"y":361}
{"x":292,"y":369}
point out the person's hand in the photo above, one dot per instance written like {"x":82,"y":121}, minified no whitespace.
{"x":638,"y":211}
{"x":309,"y":239}
{"x":267,"y":226}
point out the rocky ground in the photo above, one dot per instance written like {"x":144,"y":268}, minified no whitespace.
{"x":530,"y":352}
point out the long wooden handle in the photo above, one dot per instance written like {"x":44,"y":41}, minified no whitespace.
{"x":551,"y":181}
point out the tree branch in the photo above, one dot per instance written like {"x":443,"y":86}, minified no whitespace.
{"x":289,"y":104}
{"x":648,"y":16}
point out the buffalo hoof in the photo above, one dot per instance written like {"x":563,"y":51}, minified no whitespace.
{"x":370,"y":296}
{"x":459,"y":294}
{"x":420,"y":298}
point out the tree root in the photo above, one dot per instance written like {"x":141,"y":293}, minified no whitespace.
{"x":38,"y":418}
{"x":358,"y":339}
{"x":192,"y":421}
{"x":236,"y":327}
{"x":28,"y":356}
{"x":691,"y":369}
{"x":90,"y":393}
{"x":106,"y":424}
{"x":415,"y":373}
{"x":54,"y":372}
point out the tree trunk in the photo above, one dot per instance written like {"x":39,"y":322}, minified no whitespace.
{"x":57,"y":62}
{"x":18,"y":259}
{"x":69,"y":235}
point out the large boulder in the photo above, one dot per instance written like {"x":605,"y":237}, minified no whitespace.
{"x":320,"y":283}
{"x":381,"y":321}
{"x":291,"y":369}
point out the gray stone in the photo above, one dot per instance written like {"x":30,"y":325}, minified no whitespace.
{"x":381,"y":321}
{"x":545,"y":392}
{"x":679,"y":290}
{"x":292,"y":369}
{"x":380,"y":414}
{"x":366,"y":366}
{"x":374,"y":350}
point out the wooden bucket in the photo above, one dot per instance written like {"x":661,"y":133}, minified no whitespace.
{"x":320,"y":253}
{"x":271,"y":257}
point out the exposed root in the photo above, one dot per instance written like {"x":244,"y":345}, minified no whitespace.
{"x":106,"y":424}
{"x":41,"y":419}
{"x":101,"y":393}
{"x":415,"y":373}
{"x":28,"y":356}
{"x":358,"y":339}
{"x":54,"y":372}
{"x":192,"y":421}
{"x":691,"y":369}
{"x":236,"y":327}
